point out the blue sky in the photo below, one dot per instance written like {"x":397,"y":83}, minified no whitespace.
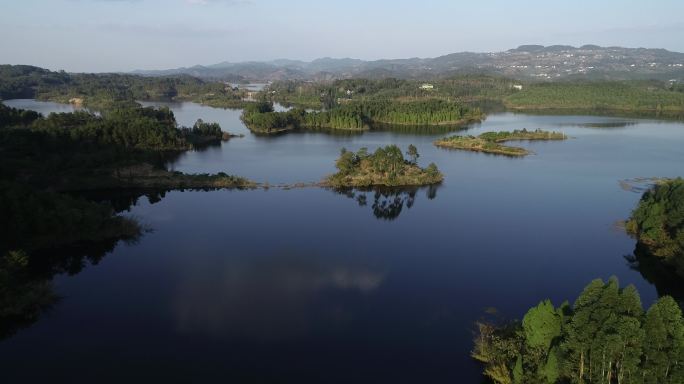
{"x":122,"y":35}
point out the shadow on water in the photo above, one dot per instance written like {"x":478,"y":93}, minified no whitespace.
{"x":412,"y":130}
{"x":662,"y":275}
{"x":602,"y":125}
{"x":26,"y":288}
{"x":122,"y":200}
{"x":388,"y":203}
{"x":415,"y":130}
{"x":660,"y":115}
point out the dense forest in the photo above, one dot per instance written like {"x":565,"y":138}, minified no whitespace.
{"x":658,"y":223}
{"x":652,"y":97}
{"x":82,"y":150}
{"x":461,"y":89}
{"x":605,"y":337}
{"x":384,"y":167}
{"x":261,"y":118}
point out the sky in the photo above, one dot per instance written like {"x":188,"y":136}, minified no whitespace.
{"x":124,"y":35}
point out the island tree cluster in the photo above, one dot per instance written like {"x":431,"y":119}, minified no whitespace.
{"x":384,"y":167}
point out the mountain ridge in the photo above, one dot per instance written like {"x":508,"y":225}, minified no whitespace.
{"x":554,"y":62}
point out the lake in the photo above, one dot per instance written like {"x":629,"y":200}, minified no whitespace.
{"x":311,"y":285}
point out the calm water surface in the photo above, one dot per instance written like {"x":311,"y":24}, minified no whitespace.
{"x":310,"y":285}
{"x":44,"y":107}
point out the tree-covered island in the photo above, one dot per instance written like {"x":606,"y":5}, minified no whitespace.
{"x":384,"y":167}
{"x":490,"y":142}
{"x":261,"y":118}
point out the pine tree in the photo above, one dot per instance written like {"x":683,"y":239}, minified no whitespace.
{"x":664,"y":349}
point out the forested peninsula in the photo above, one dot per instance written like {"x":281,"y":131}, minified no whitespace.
{"x":658,"y":225}
{"x":120,"y":148}
{"x":604,"y":337}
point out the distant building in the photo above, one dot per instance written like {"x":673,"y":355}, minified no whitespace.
{"x":427,"y":87}
{"x":517,"y":86}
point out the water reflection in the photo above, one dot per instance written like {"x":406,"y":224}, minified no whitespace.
{"x":662,"y":115}
{"x":273,"y":296}
{"x":388,"y":203}
{"x":26,"y":288}
{"x":419,"y":130}
{"x":601,"y":125}
{"x":614,"y":124}
{"x":43,"y":107}
{"x":662,"y":275}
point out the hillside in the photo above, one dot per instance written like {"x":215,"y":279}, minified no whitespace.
{"x":526,"y":62}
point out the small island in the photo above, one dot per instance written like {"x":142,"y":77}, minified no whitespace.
{"x":489,"y":142}
{"x":385,"y":167}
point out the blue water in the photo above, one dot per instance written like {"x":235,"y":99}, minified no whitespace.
{"x":308,"y":285}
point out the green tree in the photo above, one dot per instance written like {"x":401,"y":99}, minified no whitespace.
{"x":664,"y":349}
{"x":413,"y":153}
{"x":346,"y":162}
{"x":541,"y":325}
{"x":518,"y":371}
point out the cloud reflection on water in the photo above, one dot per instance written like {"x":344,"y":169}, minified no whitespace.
{"x":270,"y":297}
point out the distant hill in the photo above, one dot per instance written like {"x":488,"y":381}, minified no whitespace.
{"x":527,"y":62}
